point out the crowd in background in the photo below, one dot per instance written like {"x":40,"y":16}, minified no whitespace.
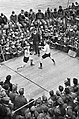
{"x":60,"y":26}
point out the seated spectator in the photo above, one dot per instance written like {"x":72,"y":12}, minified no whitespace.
{"x":55,"y":13}
{"x":61,"y":113}
{"x":7,"y":81}
{"x":20,"y":99}
{"x":31,"y":15}
{"x":13,"y":93}
{"x":26,"y":14}
{"x":5,"y":112}
{"x":39,"y":15}
{"x":75,"y":85}
{"x":13,"y":51}
{"x":76,"y":5}
{"x":7,"y":52}
{"x":13,"y":17}
{"x":48,"y":13}
{"x":19,"y":50}
{"x":67,"y":82}
{"x":53,"y":97}
{"x":61,"y":89}
{"x":75,"y":81}
{"x":60,"y":11}
{"x":21,"y":18}
{"x":73,"y":6}
{"x":4,"y":19}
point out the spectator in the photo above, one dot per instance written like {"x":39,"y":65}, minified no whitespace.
{"x":60,"y":11}
{"x":7,"y":81}
{"x":13,"y":17}
{"x":21,"y":18}
{"x":20,"y":99}
{"x":13,"y":93}
{"x":4,"y":19}
{"x":31,"y":15}
{"x":39,"y":15}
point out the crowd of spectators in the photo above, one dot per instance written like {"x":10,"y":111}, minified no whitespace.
{"x":60,"y":26}
{"x":61,"y":104}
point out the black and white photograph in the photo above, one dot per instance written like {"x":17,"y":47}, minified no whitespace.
{"x":39,"y":59}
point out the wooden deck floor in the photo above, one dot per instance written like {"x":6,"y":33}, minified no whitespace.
{"x":49,"y":77}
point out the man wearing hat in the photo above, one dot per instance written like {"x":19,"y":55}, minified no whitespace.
{"x":46,"y":50}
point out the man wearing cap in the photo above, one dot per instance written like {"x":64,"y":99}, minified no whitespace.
{"x":46,"y":50}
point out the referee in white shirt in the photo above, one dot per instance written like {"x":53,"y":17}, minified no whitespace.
{"x":47,"y":53}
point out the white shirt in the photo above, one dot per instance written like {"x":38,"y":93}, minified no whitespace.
{"x":26,"y":53}
{"x":46,"y":49}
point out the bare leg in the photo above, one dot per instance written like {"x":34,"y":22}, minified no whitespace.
{"x":40,"y":65}
{"x":21,"y":66}
{"x":31,"y":61}
{"x":52,"y":59}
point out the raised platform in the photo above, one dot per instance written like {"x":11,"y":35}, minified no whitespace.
{"x":49,"y":77}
